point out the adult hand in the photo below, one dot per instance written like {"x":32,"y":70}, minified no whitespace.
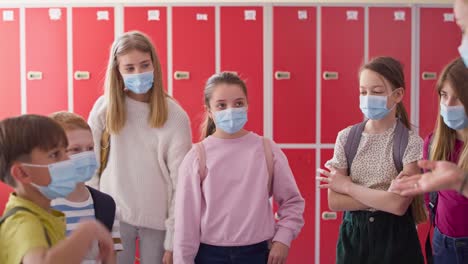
{"x":441,"y":175}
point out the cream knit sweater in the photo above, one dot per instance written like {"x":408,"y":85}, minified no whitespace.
{"x":141,"y":173}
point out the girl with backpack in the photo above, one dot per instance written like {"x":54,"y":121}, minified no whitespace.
{"x":223,"y":213}
{"x":378,"y":225}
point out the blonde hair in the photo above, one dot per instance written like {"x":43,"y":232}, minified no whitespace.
{"x":70,"y":121}
{"x":114,"y":84}
{"x":208,"y":127}
{"x":443,"y":141}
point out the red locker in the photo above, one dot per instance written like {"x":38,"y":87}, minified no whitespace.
{"x":5,"y":191}
{"x":390,"y":35}
{"x":342,"y":55}
{"x":93,"y":34}
{"x":242,"y":52}
{"x":302,"y":162}
{"x":10,"y":90}
{"x":294,"y":60}
{"x":153,"y":22}
{"x":193,"y":59}
{"x":329,"y":221}
{"x":440,"y":38}
{"x":46,"y":60}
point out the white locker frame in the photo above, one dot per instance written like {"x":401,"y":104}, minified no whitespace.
{"x":268,"y":91}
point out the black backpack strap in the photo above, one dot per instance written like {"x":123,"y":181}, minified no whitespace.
{"x":400,"y":142}
{"x":352,"y":143}
{"x":14,"y":210}
{"x":104,"y":207}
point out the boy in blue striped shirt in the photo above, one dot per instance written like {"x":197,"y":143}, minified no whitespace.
{"x":85,"y":202}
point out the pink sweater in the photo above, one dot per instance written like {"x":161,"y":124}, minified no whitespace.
{"x":232,"y":206}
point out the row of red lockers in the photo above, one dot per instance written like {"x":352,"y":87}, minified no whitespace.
{"x":394,"y":31}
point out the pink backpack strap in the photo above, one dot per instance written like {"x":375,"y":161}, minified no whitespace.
{"x":269,"y":161}
{"x":201,"y":161}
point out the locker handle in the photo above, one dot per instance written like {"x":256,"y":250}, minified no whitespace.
{"x":429,"y":76}
{"x":329,"y":216}
{"x":330,"y":75}
{"x":82,"y":75}
{"x":282,"y":75}
{"x":34,"y":75}
{"x":181,"y":75}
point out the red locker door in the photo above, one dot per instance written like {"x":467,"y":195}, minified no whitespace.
{"x":93,"y":33}
{"x":10,"y":90}
{"x":193,"y":59}
{"x":440,"y":37}
{"x":294,"y":60}
{"x":46,"y":60}
{"x":302,"y":162}
{"x":390,"y":35}
{"x":153,"y":22}
{"x":242,"y":42}
{"x":329,"y":221}
{"x":5,"y":191}
{"x":342,"y":55}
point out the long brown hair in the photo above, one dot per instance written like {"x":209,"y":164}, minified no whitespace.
{"x":114,"y":84}
{"x":208,"y":127}
{"x":454,"y":74}
{"x":392,"y":70}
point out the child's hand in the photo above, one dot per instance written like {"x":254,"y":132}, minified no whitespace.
{"x":106,"y":244}
{"x":167,"y":258}
{"x":396,"y":180}
{"x":278,"y":253}
{"x":100,"y":234}
{"x":335,"y":181}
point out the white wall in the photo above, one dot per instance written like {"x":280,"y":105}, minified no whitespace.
{"x":82,"y":2}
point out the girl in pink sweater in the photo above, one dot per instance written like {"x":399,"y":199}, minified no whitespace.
{"x":223,"y":213}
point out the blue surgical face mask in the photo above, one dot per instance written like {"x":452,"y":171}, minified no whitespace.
{"x":454,"y":116}
{"x":139,"y":83}
{"x":231,"y":120}
{"x":86,"y":165}
{"x":374,"y":107}
{"x":463,"y":50}
{"x":63,"y":177}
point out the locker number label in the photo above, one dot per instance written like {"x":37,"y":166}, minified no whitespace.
{"x":399,"y":15}
{"x":55,"y":13}
{"x":302,"y":14}
{"x":153,"y":15}
{"x":449,"y":17}
{"x":8,"y":15}
{"x":102,"y":15}
{"x":352,"y":15}
{"x":202,"y":17}
{"x":250,"y":15}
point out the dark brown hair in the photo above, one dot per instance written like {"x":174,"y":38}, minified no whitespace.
{"x":20,"y":135}
{"x":392,"y":71}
